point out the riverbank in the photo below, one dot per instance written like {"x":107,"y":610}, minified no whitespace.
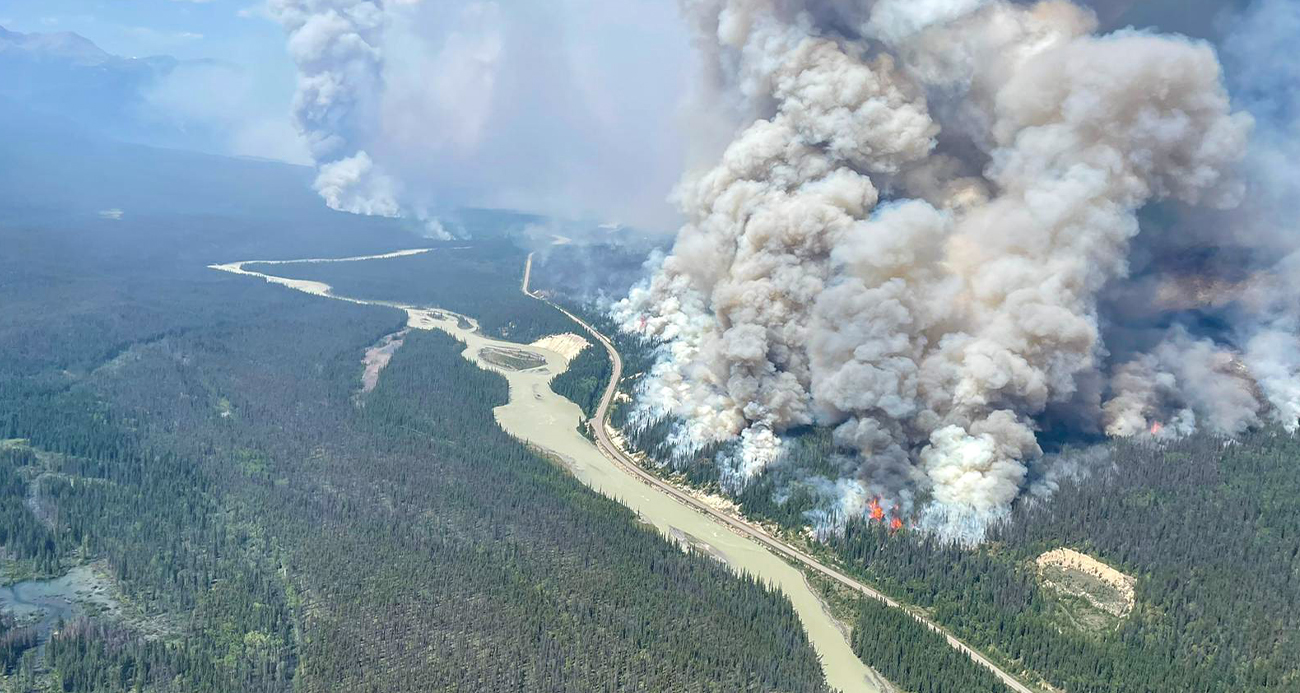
{"x":539,"y":417}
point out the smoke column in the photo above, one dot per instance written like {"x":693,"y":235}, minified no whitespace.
{"x":336,"y":45}
{"x":911,"y":237}
{"x":418,"y":108}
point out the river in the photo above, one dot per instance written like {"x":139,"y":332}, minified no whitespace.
{"x":536,"y":415}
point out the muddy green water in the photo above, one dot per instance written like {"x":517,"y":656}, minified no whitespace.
{"x":537,"y":415}
{"x":44,"y":602}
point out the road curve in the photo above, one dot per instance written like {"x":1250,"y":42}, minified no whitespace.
{"x":599,"y":428}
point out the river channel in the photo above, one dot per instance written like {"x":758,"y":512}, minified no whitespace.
{"x":538,"y":416}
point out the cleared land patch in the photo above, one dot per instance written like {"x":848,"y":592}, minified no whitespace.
{"x":1083,"y":576}
{"x":377,"y":358}
{"x":568,"y":345}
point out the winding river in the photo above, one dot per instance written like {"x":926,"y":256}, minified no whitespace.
{"x":536,"y":415}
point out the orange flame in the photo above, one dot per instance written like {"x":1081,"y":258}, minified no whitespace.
{"x":896,"y":524}
{"x":877,"y":512}
{"x":1156,"y":428}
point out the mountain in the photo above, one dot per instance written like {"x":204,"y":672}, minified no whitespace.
{"x":66,"y":75}
{"x":62,"y":46}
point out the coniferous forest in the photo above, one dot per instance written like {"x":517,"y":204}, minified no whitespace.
{"x":200,"y":439}
{"x":479,"y":279}
{"x":266,"y":527}
{"x":1209,"y":527}
{"x":913,"y":657}
{"x":585,"y":380}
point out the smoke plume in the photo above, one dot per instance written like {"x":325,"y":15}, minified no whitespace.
{"x":335,"y":44}
{"x":419,"y":108}
{"x":914,"y":239}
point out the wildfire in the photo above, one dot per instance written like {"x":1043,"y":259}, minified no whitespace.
{"x":1156,"y":428}
{"x":877,"y":512}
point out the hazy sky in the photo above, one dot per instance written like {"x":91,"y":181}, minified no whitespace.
{"x":567,"y":107}
{"x":248,"y":94}
{"x":227,"y":29}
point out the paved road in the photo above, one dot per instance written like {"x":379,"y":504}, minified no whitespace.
{"x":607,"y":447}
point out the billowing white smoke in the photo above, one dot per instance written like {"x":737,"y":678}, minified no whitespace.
{"x":353,"y":185}
{"x":1182,"y":383}
{"x":934,"y":330}
{"x":336,"y":45}
{"x":419,"y":107}
{"x":1267,"y":73}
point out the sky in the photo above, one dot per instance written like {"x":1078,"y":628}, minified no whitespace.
{"x":229,"y":29}
{"x":569,"y":108}
{"x":246,"y":94}
{"x":574,"y":108}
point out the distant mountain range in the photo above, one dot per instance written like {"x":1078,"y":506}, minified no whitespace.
{"x":66,"y":75}
{"x":65,"y":46}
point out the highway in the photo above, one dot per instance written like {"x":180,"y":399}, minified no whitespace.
{"x":600,"y":429}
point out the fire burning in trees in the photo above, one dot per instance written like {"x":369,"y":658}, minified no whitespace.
{"x":875,"y":511}
{"x":877,"y":514}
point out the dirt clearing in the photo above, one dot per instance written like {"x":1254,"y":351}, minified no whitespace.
{"x":568,"y":345}
{"x":1081,"y":575}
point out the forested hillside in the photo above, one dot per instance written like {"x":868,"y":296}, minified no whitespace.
{"x":1210,"y":529}
{"x":916,"y":658}
{"x":200,"y":432}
